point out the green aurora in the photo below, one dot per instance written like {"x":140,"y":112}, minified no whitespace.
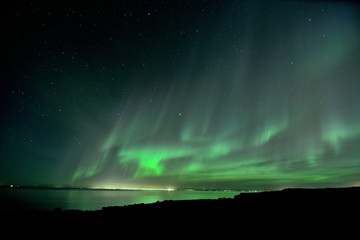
{"x":217,"y":94}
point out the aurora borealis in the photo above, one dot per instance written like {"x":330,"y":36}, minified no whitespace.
{"x":181,"y":94}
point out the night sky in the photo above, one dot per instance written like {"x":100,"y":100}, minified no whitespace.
{"x":180,"y":93}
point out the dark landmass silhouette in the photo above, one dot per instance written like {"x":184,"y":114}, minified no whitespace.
{"x":293,"y":198}
{"x":288,"y":208}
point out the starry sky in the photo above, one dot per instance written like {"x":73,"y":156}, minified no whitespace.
{"x":182,"y":94}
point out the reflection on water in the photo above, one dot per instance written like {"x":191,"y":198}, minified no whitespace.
{"x":48,"y":199}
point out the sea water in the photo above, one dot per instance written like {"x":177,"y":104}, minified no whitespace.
{"x":86,"y":199}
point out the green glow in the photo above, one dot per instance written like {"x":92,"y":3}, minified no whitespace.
{"x":151,"y":159}
{"x":229,"y":94}
{"x":278,"y":113}
{"x":88,"y":172}
{"x":336,"y":132}
{"x":269,"y":131}
{"x":194,"y":167}
{"x":219,"y":150}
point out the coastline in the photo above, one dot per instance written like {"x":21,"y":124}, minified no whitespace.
{"x":288,"y":211}
{"x":297,"y":199}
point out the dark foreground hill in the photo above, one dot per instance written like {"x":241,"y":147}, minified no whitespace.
{"x":290,"y":208}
